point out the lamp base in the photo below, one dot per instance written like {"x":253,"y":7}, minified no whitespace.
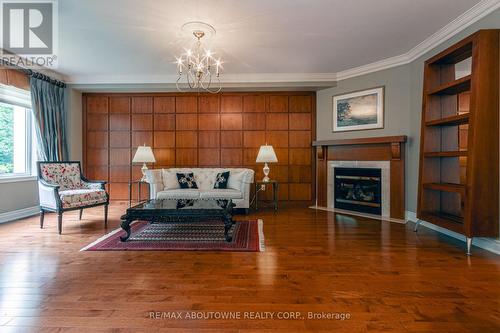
{"x":144,"y":169}
{"x":266,"y":173}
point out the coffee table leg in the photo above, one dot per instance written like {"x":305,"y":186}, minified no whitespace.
{"x":228,"y":223}
{"x":125,"y":226}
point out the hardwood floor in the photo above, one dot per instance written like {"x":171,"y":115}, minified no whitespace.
{"x":383,"y":275}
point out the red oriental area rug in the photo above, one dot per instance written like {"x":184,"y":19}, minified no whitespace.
{"x":248,"y":236}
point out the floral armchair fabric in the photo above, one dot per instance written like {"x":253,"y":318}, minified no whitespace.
{"x":62,"y":187}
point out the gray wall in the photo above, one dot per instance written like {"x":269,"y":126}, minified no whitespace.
{"x":18,"y":195}
{"x":396,"y":82}
{"x":24,"y":194}
{"x":397,"y":103}
{"x":403,"y":104}
{"x":74,"y":103}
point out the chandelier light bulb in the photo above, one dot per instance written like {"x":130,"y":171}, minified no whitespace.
{"x":179,"y":65}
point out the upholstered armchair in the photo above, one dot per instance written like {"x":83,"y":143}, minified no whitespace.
{"x":62,"y":187}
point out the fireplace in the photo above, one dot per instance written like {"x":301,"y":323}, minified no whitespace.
{"x":358,"y":189}
{"x":384,"y":153}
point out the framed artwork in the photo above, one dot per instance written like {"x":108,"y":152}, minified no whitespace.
{"x":359,"y":110}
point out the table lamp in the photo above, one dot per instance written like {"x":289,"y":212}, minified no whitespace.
{"x":266,"y":155}
{"x":144,"y":154}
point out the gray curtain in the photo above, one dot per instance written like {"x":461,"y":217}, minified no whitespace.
{"x":47,"y":99}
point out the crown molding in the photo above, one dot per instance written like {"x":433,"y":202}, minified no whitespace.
{"x":227,"y":78}
{"x":374,"y":67}
{"x":320,"y":80}
{"x":459,"y":24}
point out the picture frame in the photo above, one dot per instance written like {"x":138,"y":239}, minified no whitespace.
{"x":359,"y":110}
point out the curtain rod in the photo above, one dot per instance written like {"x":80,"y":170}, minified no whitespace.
{"x":34,"y":74}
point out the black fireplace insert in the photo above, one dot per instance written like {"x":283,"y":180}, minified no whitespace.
{"x":358,"y":189}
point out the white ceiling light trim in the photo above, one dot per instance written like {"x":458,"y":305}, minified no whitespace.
{"x":459,"y":24}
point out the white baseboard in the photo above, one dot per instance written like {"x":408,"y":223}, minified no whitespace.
{"x":488,"y":244}
{"x":19,"y":214}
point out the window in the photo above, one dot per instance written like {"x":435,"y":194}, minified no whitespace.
{"x":17,"y":146}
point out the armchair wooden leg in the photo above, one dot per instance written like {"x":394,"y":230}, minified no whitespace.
{"x":105,"y":216}
{"x":81,"y":212}
{"x":59,"y":222}
{"x":42,"y":216}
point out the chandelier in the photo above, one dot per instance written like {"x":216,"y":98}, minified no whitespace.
{"x":198,"y":67}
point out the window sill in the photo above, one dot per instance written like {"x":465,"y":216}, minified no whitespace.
{"x":15,"y":179}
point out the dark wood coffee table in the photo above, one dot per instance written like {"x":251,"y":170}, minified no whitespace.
{"x":184,"y":210}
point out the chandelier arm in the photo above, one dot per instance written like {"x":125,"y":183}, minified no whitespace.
{"x":177,"y":84}
{"x":191,"y":83}
{"x":218,"y":89}
{"x":207,"y":86}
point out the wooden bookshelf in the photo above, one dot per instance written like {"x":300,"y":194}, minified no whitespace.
{"x":459,"y":144}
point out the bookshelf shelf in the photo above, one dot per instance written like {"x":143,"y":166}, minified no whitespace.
{"x":446,"y":187}
{"x":452,"y":88}
{"x":458,"y":119}
{"x":457,"y":153}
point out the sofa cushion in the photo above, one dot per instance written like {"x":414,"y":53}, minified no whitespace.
{"x":178,"y":194}
{"x":82,"y":197}
{"x":186,"y":180}
{"x":169,"y":179}
{"x":205,"y":178}
{"x":236,"y":179}
{"x":221,"y":180}
{"x":221,"y":194}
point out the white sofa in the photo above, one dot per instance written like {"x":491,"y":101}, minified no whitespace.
{"x":163,"y":184}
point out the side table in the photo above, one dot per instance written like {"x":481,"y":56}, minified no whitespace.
{"x":130,"y":184}
{"x":275,"y":185}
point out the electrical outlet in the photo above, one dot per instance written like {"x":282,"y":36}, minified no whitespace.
{"x":262,"y":187}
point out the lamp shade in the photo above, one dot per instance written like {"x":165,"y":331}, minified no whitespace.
{"x":266,"y":154}
{"x":144,"y":154}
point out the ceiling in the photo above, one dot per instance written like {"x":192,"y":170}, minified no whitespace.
{"x":130,"y":41}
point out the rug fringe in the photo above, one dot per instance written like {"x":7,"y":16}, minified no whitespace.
{"x":262,"y":245}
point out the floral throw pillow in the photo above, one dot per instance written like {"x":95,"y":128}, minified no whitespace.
{"x":186,"y":180}
{"x":221,"y":180}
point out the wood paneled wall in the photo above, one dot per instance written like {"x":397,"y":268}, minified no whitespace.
{"x":200,"y":130}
